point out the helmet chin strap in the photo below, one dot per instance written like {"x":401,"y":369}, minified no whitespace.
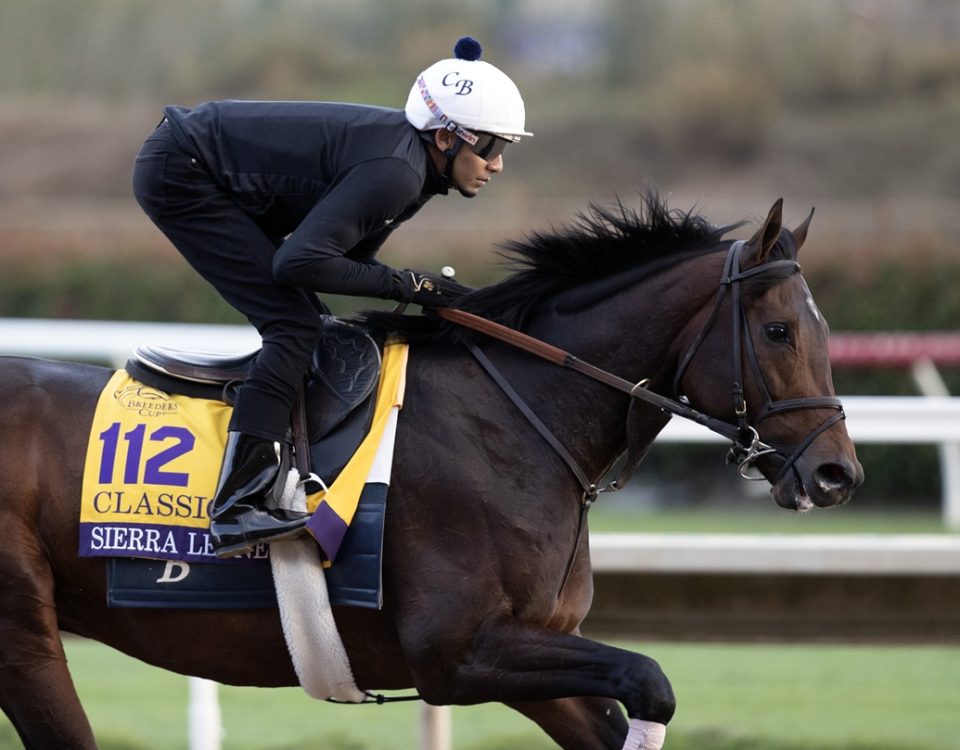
{"x":451,"y":154}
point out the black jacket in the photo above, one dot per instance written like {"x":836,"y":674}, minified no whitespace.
{"x":326,"y":182}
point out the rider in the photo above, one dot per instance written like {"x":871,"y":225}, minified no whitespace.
{"x":273,"y":201}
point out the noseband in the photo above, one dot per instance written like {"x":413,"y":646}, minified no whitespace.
{"x":747,"y":447}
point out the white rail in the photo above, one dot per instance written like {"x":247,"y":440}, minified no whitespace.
{"x":113,"y":341}
{"x":775,"y":554}
{"x":870,"y":419}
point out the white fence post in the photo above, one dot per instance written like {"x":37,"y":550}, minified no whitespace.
{"x":203,"y":715}
{"x":436,"y":728}
{"x":930,"y":383}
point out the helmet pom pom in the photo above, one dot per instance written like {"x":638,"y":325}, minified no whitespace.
{"x":467,"y":48}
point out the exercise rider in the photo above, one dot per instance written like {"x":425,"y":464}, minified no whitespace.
{"x":272,"y":202}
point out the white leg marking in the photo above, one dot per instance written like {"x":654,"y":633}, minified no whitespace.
{"x":645,"y":735}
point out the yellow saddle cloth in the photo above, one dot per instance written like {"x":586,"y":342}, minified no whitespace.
{"x":153,"y":460}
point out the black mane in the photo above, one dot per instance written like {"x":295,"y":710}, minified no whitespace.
{"x":600,"y":245}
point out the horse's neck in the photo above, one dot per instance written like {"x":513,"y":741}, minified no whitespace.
{"x":635,"y":335}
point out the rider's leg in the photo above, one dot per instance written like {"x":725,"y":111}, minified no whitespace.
{"x":234,"y":254}
{"x":241,"y":517}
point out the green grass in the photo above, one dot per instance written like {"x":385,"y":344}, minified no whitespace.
{"x":731,"y":697}
{"x":818,"y":696}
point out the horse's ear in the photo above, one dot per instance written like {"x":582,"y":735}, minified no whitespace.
{"x":800,"y":233}
{"x":760,"y":245}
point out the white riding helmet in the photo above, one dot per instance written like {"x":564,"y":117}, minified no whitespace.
{"x":465,"y":94}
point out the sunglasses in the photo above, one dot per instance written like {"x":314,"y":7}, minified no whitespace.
{"x":489,"y":146}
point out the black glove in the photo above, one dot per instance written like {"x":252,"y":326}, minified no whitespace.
{"x":427,"y":289}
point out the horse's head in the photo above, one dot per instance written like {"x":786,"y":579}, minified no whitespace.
{"x":757,"y":357}
{"x":753,"y":356}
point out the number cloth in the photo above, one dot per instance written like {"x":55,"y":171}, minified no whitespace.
{"x":153,"y":460}
{"x":151,"y":471}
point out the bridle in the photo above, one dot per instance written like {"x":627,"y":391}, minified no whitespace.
{"x":746,"y":446}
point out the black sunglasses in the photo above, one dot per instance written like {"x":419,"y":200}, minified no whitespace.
{"x":489,"y":146}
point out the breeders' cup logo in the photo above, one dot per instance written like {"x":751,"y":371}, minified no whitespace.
{"x":145,"y":401}
{"x":463,"y":86}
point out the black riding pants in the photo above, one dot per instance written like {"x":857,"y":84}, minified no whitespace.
{"x":226,"y":247}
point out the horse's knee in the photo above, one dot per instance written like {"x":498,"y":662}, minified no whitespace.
{"x":647,"y":691}
{"x":459,"y":670}
{"x":434,"y":670}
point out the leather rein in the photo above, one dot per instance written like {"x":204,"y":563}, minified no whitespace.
{"x":746,"y":445}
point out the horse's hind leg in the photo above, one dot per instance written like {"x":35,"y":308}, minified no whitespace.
{"x":576,"y":722}
{"x":36,"y":690}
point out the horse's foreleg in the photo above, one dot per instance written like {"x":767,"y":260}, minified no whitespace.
{"x":516,"y":662}
{"x":569,"y":720}
{"x":36,"y":691}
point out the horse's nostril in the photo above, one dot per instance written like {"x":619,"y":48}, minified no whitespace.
{"x":835,"y":480}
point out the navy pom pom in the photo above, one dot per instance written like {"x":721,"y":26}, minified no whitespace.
{"x":467,"y":48}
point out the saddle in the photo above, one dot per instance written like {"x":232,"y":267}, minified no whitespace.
{"x":336,"y":404}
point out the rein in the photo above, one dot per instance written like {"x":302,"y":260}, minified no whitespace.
{"x":564,"y":359}
{"x":747,"y":446}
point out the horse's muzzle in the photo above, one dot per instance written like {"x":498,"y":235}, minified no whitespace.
{"x":826,"y":485}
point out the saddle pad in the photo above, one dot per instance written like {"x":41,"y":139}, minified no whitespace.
{"x":333,"y":507}
{"x":150,"y":473}
{"x":153,"y":459}
{"x":354,"y":581}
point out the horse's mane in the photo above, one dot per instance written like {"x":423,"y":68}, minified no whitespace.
{"x":606,"y":245}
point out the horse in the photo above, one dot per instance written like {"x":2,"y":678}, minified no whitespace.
{"x":486,"y":561}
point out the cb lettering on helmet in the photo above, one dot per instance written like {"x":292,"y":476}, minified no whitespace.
{"x":464,"y":85}
{"x":471,"y":93}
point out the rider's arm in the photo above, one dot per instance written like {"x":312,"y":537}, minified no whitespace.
{"x":356,"y":213}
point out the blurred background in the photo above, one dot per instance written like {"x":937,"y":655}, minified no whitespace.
{"x":851,"y":107}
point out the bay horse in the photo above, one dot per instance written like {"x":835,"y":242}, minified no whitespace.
{"x":486,"y":561}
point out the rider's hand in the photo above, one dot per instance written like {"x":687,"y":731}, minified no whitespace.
{"x":427,"y":289}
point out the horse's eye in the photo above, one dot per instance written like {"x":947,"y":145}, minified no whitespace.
{"x":777,"y":333}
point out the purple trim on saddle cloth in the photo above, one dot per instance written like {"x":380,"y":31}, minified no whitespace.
{"x":155,"y":541}
{"x":328,"y":529}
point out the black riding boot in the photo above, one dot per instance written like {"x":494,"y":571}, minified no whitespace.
{"x":240,"y":518}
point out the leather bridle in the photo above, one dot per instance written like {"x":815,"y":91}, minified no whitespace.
{"x":747,"y":448}
{"x":746,"y":444}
